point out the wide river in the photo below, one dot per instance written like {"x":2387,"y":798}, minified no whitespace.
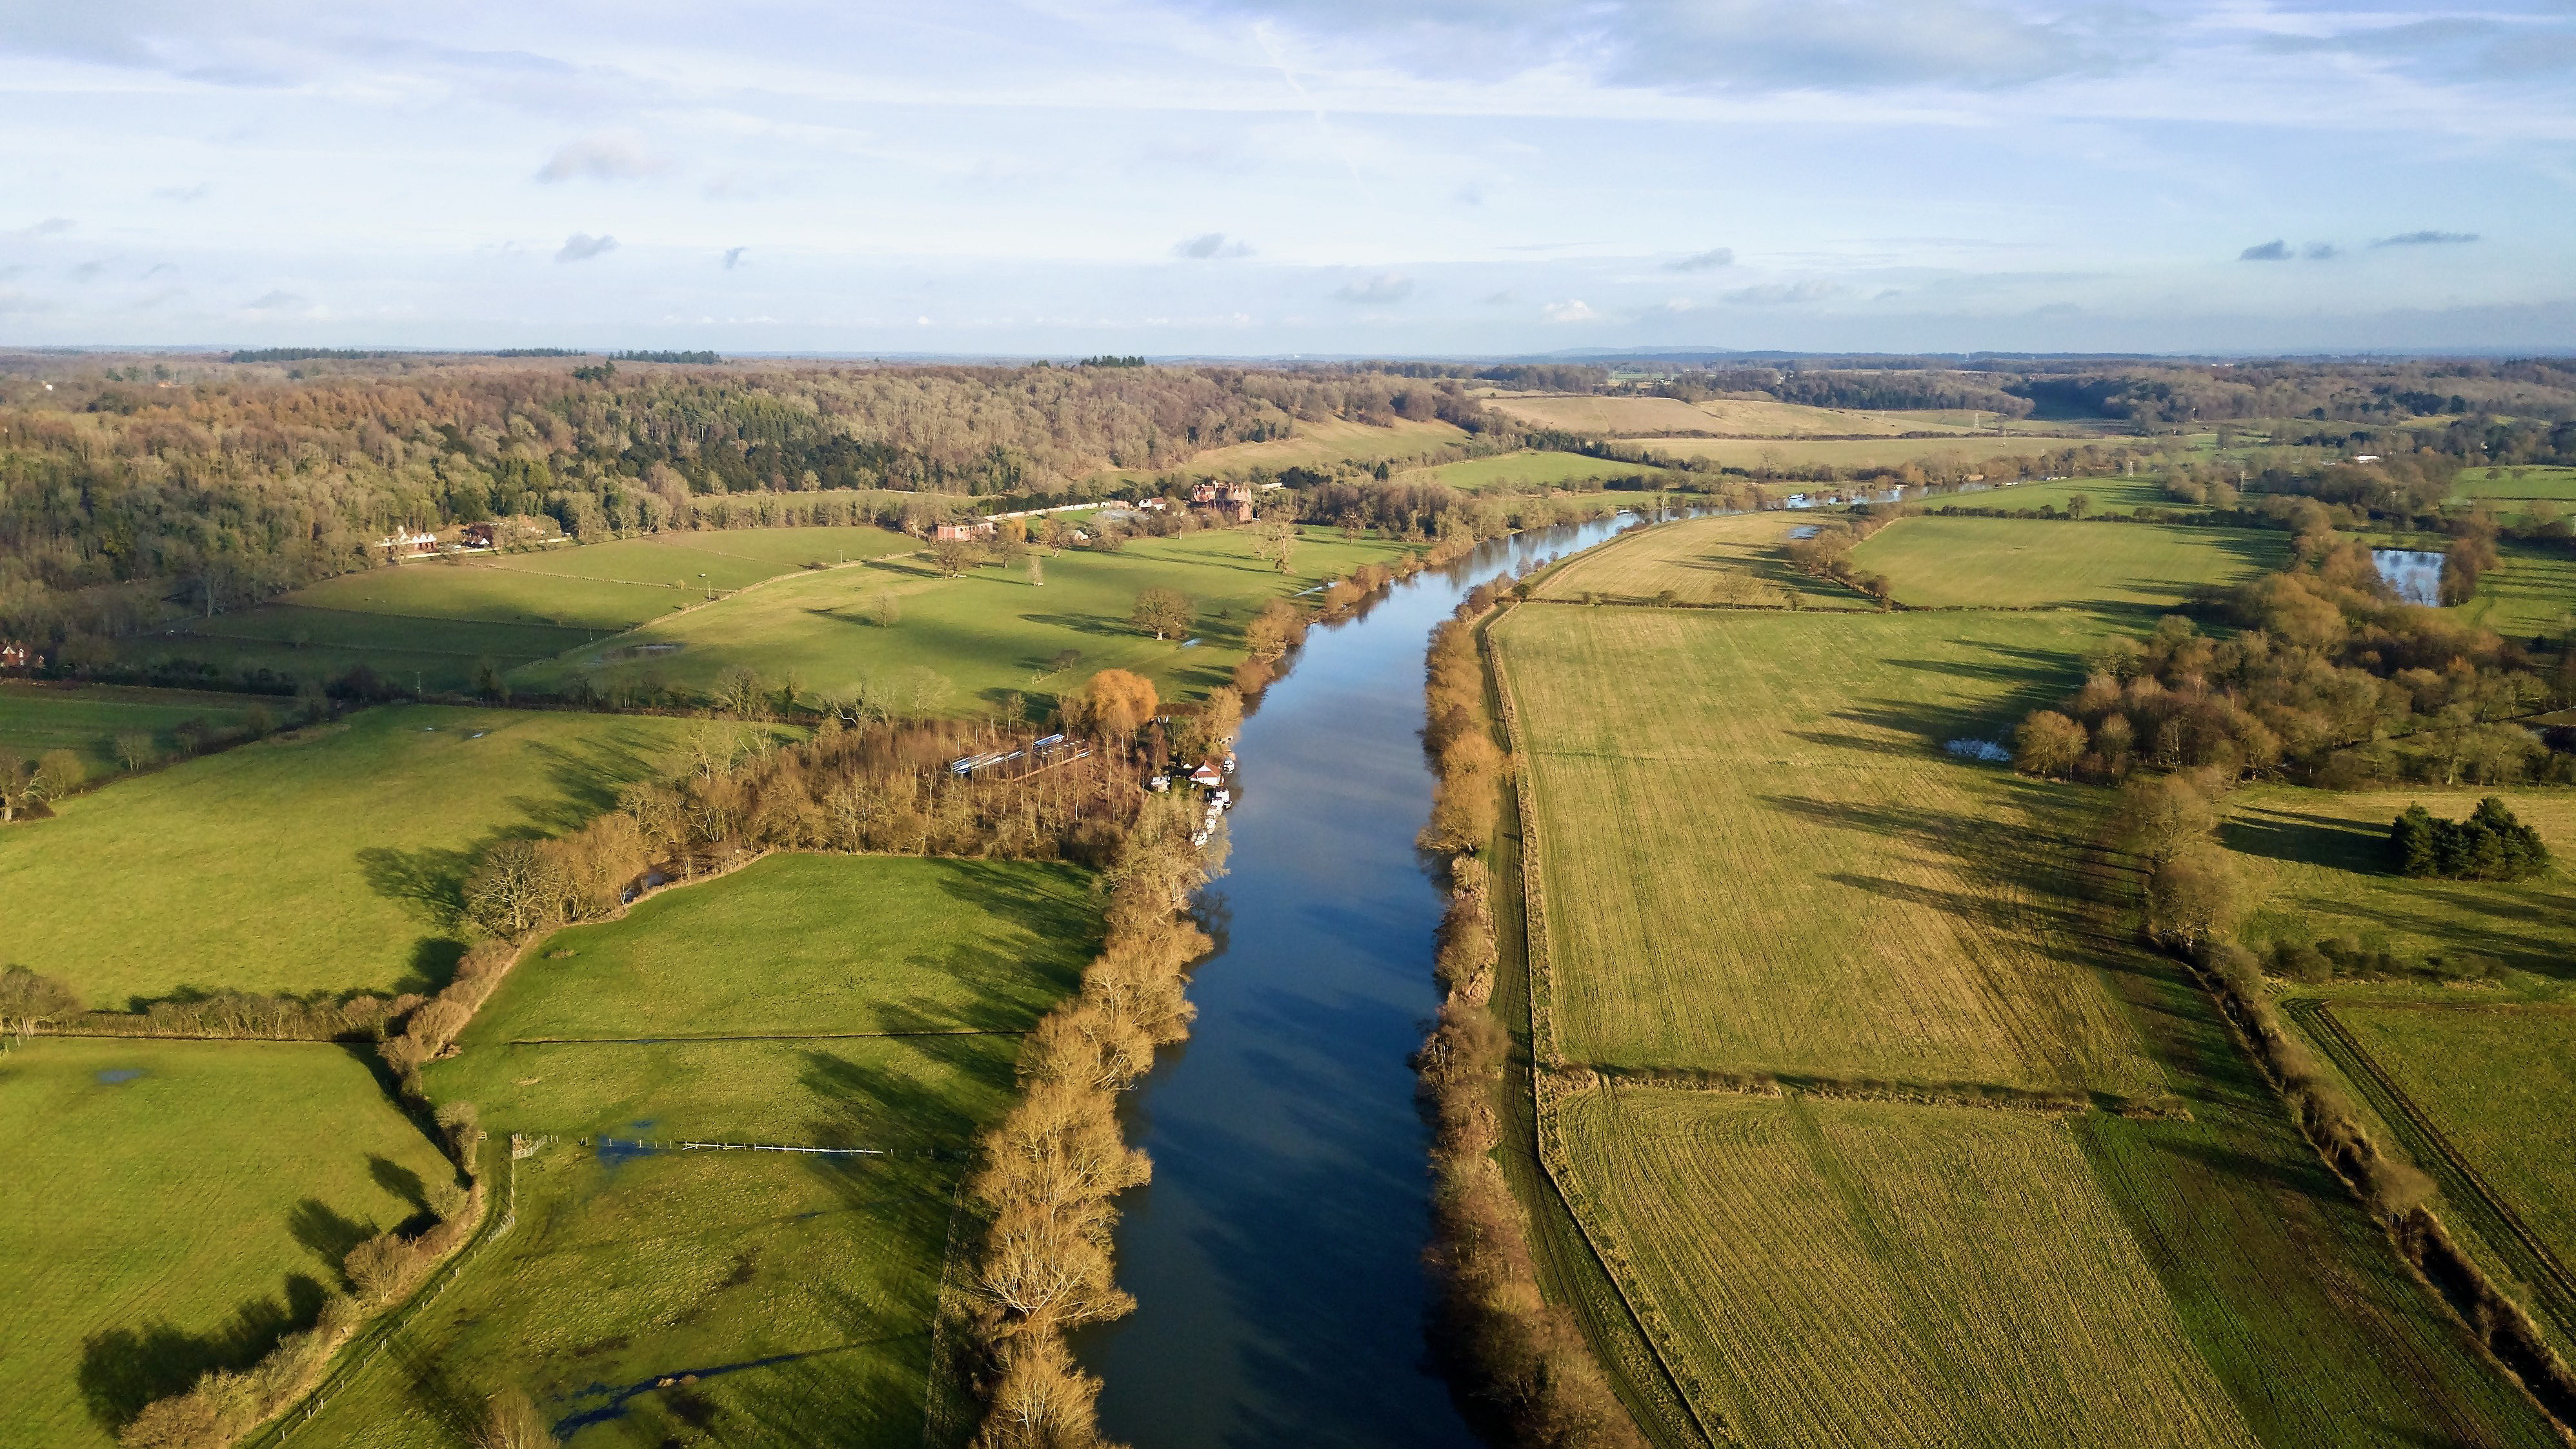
{"x":1276,"y":1258}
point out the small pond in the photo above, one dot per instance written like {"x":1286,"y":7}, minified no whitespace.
{"x":2414,"y":574}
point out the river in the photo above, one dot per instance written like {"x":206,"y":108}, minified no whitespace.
{"x":1276,"y":1256}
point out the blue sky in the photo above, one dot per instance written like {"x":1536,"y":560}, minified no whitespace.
{"x":1296,"y":176}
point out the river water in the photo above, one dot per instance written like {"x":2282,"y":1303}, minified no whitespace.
{"x":1276,"y":1257}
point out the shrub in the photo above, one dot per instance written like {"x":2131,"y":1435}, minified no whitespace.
{"x":2490,"y":845}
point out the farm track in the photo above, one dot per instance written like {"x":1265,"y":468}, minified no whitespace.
{"x":2529,"y":1257}
{"x":751,"y":1036}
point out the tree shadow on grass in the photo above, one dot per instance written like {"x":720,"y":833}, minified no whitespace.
{"x":428,"y":883}
{"x":124,"y":1369}
{"x":2288,"y":835}
{"x":326,"y":1233}
{"x":860,"y":1102}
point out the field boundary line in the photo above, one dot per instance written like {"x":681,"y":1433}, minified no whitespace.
{"x":440,"y":618}
{"x":2340,"y":1043}
{"x":1539,"y":964}
{"x":370,"y":1343}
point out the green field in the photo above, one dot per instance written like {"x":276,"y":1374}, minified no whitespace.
{"x":1871,"y":1273}
{"x":799,"y":1290}
{"x":786,"y":1300}
{"x":2313,"y":867}
{"x":157,"y":1224}
{"x":86,"y":719}
{"x":327,"y":860}
{"x":1528,"y":470}
{"x":987,"y":634}
{"x":1783,"y":454}
{"x":1732,"y":560}
{"x":2022,"y":563}
{"x":2529,"y":480}
{"x":2498,"y":1082}
{"x":1314,"y":444}
{"x":2531,"y":593}
{"x":1722,"y":417}
{"x":2105,"y":495}
{"x":1758,"y":856}
{"x":437,"y":622}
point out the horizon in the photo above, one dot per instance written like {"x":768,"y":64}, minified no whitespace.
{"x":1298,"y":178}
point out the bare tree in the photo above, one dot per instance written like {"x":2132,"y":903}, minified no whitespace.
{"x":1164,"y":612}
{"x":135,"y":748}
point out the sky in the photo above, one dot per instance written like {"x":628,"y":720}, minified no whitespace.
{"x":1291,"y":177}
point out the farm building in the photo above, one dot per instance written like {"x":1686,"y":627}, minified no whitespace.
{"x":973,"y":532}
{"x":479,"y":535}
{"x":406,"y":544}
{"x":14,"y":655}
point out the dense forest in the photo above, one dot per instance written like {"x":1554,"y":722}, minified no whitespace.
{"x":230,"y":484}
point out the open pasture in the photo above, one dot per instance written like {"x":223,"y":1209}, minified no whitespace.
{"x":2112,"y":494}
{"x":1825,"y":1272}
{"x":2515,"y":482}
{"x":1757,"y":856}
{"x":728,"y":558}
{"x":1529,"y":470}
{"x":680,"y":1298}
{"x":327,"y":860}
{"x":86,"y":719}
{"x":810,"y":944}
{"x":177,"y":1206}
{"x":2023,"y":563}
{"x":989,"y":633}
{"x":1770,"y":455}
{"x":1315,"y":444}
{"x":1722,"y":417}
{"x":1732,"y":560}
{"x":2499,"y":1083}
{"x":2313,"y":866}
{"x":2532,"y":594}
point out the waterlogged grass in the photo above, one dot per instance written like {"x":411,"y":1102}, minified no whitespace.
{"x":174,"y":1206}
{"x":86,"y":719}
{"x":680,"y":1298}
{"x":736,"y":1296}
{"x":1757,"y":855}
{"x":1734,"y":561}
{"x":328,"y":860}
{"x":1869,"y":1273}
{"x":2314,"y":866}
{"x":2022,"y":563}
{"x":990,"y":633}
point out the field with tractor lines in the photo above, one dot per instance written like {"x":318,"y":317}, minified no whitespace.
{"x":1863,"y":1273}
{"x":2026,"y":563}
{"x":1758,"y":855}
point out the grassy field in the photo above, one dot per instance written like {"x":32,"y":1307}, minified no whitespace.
{"x":1758,"y":855}
{"x":797,"y":1290}
{"x":1761,"y":454}
{"x":175,"y":1206}
{"x":2532,"y":593}
{"x":2530,"y":480}
{"x":1527,"y":470}
{"x":679,"y":1298}
{"x":1869,"y":1273}
{"x":1724,"y":417}
{"x":2107,"y":495}
{"x":1314,"y":444}
{"x":2497,"y":1081}
{"x":86,"y":719}
{"x":1729,"y":560}
{"x":440,"y":621}
{"x":2313,"y":868}
{"x":816,"y":944}
{"x":327,"y":860}
{"x":986,"y":634}
{"x":2021,"y":563}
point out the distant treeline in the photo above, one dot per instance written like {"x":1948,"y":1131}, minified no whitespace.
{"x":702,"y":357}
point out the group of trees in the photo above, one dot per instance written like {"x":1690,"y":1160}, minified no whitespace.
{"x":2328,"y":679}
{"x":2490,"y":845}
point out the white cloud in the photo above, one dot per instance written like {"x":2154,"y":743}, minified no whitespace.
{"x":1781,"y":294}
{"x":603,"y":156}
{"x":1382,"y":289}
{"x":1574,"y":310}
{"x":1211,"y":246}
{"x":581,"y":246}
{"x":1706,"y":261}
